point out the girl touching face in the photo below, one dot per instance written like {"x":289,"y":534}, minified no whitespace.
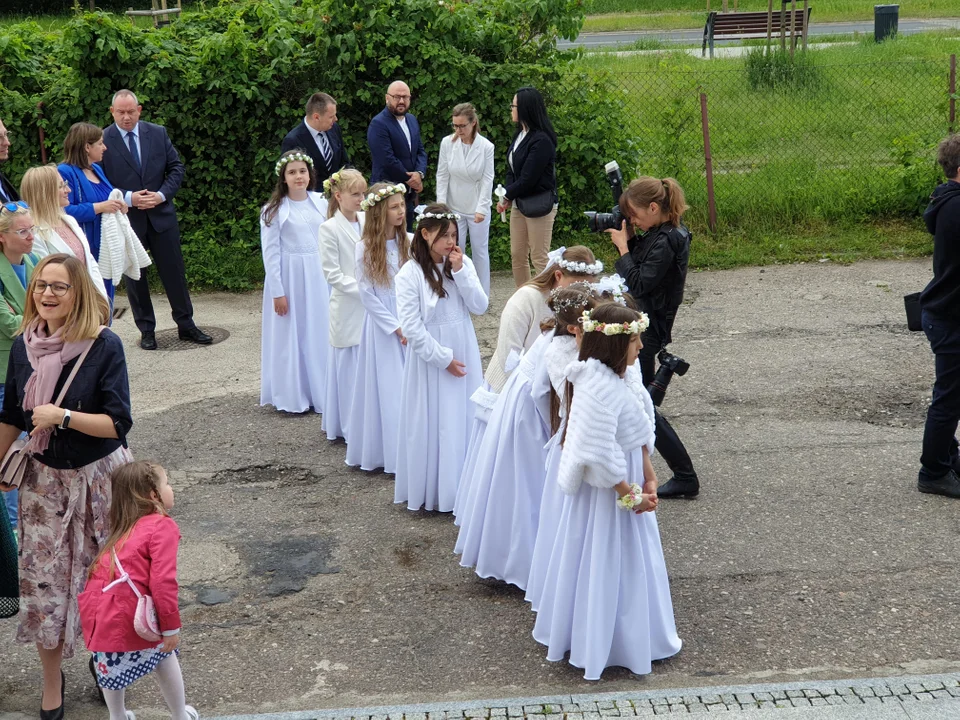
{"x":442,"y":242}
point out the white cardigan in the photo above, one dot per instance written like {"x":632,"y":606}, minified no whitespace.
{"x":417,"y":303}
{"x":466,"y":186}
{"x":519,"y":329}
{"x":338,"y":249}
{"x":270,"y":242}
{"x":48,"y":242}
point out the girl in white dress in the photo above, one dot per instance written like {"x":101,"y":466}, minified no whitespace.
{"x":375,"y":410}
{"x":606,"y":596}
{"x":436,"y":292}
{"x":519,"y":328}
{"x":293,"y":354}
{"x":339,"y":237}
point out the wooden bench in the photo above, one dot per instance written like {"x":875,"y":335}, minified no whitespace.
{"x":748,"y":25}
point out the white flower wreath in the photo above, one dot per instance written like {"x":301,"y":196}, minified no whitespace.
{"x":581,"y":268}
{"x":635,"y":327}
{"x":438,"y":216}
{"x":613,"y":284}
{"x":293,"y":157}
{"x":373,"y":198}
{"x":331,"y":181}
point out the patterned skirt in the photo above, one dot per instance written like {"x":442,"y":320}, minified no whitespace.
{"x":64,"y":521}
{"x":118,"y":670}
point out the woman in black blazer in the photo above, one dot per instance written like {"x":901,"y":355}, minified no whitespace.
{"x":531,"y":184}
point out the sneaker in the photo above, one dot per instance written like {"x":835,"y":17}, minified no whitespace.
{"x":948,"y":485}
{"x":191,"y":712}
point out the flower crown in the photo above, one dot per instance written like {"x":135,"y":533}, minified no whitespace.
{"x":634,"y":327}
{"x":330,"y":182}
{"x":613,"y":284}
{"x":578,"y":268}
{"x":293,"y":157}
{"x":571,"y":302}
{"x":438,"y":216}
{"x":373,"y":198}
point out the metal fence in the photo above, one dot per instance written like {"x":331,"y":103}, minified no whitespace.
{"x":781,"y":143}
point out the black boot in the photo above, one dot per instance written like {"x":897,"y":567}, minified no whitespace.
{"x":675,"y":488}
{"x":948,"y":484}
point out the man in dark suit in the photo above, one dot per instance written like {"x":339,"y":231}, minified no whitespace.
{"x":319,"y":136}
{"x":396,"y":147}
{"x":141,"y":161}
{"x":8,"y":193}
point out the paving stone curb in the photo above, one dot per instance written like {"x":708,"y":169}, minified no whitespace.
{"x":596,"y":706}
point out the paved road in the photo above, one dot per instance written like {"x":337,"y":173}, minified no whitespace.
{"x":686,"y":37}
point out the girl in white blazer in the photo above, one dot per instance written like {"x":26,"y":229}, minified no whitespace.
{"x":338,"y":244}
{"x":437,"y":290}
{"x":465,"y":184}
{"x":47,"y":194}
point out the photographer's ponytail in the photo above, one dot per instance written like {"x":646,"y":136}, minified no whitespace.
{"x":667,"y":193}
{"x":675,"y":204}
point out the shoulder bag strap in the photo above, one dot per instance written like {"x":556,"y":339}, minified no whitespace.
{"x":123,"y":577}
{"x":73,"y":373}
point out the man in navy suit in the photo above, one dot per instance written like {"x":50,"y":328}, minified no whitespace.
{"x":320,"y":137}
{"x":141,"y":161}
{"x":396,"y":147}
{"x":8,"y":193}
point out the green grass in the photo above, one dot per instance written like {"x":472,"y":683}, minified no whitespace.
{"x":619,"y":15}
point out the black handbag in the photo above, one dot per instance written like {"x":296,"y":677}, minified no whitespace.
{"x":534,"y":206}
{"x":911,"y":303}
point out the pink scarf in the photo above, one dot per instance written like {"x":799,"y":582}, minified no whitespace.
{"x":48,"y":355}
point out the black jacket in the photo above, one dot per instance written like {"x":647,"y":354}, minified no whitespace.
{"x":941,"y":297}
{"x":301,"y":138}
{"x":101,"y":386}
{"x":655,"y":270}
{"x":534,"y":167}
{"x":8,"y":189}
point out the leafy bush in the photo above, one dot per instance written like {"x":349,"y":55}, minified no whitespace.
{"x":229,"y":81}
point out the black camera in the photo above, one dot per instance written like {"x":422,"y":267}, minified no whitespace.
{"x":598,"y":221}
{"x":669,"y":365}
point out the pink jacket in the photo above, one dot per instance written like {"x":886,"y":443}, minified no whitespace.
{"x":149,"y":555}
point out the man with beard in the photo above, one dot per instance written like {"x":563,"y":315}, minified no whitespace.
{"x":396,"y":147}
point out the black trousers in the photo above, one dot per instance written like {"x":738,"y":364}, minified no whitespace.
{"x":939,"y":453}
{"x":410,"y":200}
{"x":164,"y":247}
{"x":668,"y":443}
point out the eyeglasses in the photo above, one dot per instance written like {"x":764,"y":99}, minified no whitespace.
{"x":14,"y":206}
{"x":460,"y":126}
{"x":24,"y":232}
{"x":399,"y":97}
{"x":513,"y":106}
{"x":59,"y":289}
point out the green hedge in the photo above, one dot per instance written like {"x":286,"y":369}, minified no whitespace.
{"x":229,"y":81}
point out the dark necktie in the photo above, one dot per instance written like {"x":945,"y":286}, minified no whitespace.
{"x":325,"y":148}
{"x":134,"y":150}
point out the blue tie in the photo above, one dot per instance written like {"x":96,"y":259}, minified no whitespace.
{"x":134,"y":150}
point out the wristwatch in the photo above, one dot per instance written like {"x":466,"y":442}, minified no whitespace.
{"x":65,"y":423}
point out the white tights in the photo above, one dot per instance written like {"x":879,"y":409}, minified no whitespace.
{"x":170,"y":680}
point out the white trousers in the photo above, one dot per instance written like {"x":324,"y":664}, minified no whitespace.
{"x":479,"y":233}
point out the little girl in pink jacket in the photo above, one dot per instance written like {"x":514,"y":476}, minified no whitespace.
{"x":143,"y":539}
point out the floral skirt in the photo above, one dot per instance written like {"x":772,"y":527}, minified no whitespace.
{"x":118,"y":670}
{"x":64,"y":521}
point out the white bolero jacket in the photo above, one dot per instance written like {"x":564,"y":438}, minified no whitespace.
{"x":417,"y":304}
{"x":338,"y":252}
{"x":51,"y":244}
{"x":270,"y":244}
{"x":608,"y":420}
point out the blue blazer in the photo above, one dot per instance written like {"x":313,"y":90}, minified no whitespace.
{"x":160,"y":170}
{"x":392,"y":157}
{"x":81,"y":201}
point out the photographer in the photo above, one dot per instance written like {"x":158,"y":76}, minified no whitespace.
{"x":654,"y":264}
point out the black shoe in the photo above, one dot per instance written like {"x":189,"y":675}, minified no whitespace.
{"x":196,"y":335}
{"x":148,"y":341}
{"x":96,"y":683}
{"x":57,"y":713}
{"x":674,"y":488}
{"x":948,"y":485}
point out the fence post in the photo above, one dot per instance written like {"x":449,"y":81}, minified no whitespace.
{"x":43,"y":147}
{"x":783,"y":25}
{"x":953,"y":92}
{"x":806,"y":14}
{"x":793,"y":27}
{"x":769,"y":26}
{"x":708,"y":159}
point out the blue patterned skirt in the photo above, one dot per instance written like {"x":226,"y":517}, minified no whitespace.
{"x":118,"y":670}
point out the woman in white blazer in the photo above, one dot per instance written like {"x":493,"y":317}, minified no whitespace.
{"x":465,"y":184}
{"x":338,"y":246}
{"x":48,"y":194}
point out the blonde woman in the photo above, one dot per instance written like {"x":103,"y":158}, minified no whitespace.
{"x":74,"y":446}
{"x":48,"y":194}
{"x":465,"y":184}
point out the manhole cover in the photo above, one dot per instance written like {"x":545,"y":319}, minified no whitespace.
{"x":170,"y":339}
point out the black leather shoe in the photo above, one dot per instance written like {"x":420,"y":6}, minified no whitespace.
{"x":196,"y":335}
{"x":148,"y":341}
{"x":674,"y":488}
{"x":56,"y":713}
{"x":96,"y":683}
{"x":948,"y":485}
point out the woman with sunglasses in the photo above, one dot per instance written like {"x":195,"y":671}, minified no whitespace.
{"x":74,"y":446}
{"x":48,"y":195}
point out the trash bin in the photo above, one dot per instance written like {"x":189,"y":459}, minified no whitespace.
{"x":886,"y":18}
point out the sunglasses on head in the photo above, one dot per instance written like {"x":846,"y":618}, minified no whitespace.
{"x":14,"y":206}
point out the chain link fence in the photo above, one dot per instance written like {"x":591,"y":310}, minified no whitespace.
{"x":792,"y":141}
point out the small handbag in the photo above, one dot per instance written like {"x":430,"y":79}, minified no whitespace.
{"x":145,"y":622}
{"x":534,"y":206}
{"x":14,"y":463}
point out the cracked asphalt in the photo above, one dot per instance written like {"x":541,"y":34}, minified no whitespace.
{"x":808,"y":555}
